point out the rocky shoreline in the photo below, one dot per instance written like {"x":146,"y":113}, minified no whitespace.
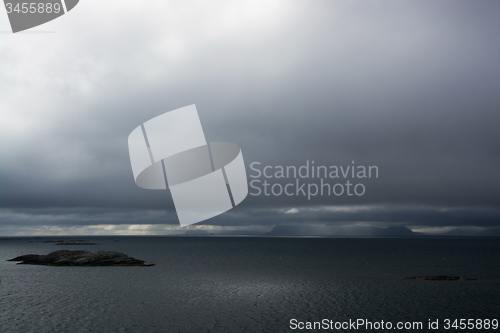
{"x":80,"y":258}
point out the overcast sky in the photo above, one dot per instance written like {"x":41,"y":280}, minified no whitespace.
{"x":412,"y":87}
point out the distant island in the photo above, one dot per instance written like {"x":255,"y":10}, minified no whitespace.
{"x":75,"y":243}
{"x":66,"y":242}
{"x":80,"y":258}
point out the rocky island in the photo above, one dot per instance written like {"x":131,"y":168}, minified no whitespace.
{"x":434,"y":278}
{"x":80,"y":258}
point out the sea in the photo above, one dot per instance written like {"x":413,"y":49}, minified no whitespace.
{"x":255,"y":284}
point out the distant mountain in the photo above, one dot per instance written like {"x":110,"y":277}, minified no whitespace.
{"x":220,"y":232}
{"x":397,"y":231}
{"x":305,"y":230}
{"x":345,"y":230}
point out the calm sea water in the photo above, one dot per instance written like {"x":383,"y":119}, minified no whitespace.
{"x":238,"y":284}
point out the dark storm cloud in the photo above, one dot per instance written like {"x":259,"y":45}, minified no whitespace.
{"x":409,"y":87}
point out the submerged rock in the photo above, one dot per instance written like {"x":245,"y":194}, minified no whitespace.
{"x":434,"y":277}
{"x":80,"y":258}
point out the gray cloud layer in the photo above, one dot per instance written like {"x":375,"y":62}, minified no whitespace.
{"x":410,"y":87}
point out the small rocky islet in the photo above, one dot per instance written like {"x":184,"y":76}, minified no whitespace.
{"x":80,"y":258}
{"x":436,"y":278}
